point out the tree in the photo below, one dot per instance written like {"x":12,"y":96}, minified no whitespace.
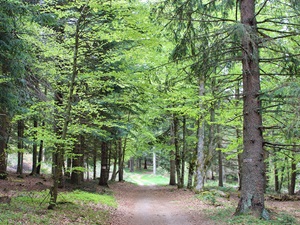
{"x":253,"y":169}
{"x":13,"y":51}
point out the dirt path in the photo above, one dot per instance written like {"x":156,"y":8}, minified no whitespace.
{"x":157,"y":205}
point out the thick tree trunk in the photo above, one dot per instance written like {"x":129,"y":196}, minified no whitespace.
{"x":172,"y":169}
{"x":78,"y":162}
{"x":191,"y":174}
{"x":200,"y":170}
{"x":293,"y":173}
{"x":3,"y":140}
{"x":21,"y":127}
{"x":253,"y":174}
{"x":145,"y":163}
{"x":104,"y":165}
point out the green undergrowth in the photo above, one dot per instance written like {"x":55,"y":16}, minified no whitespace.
{"x":226,"y":215}
{"x":145,"y":177}
{"x":76,"y":207}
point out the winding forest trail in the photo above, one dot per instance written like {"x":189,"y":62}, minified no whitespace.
{"x":157,"y":205}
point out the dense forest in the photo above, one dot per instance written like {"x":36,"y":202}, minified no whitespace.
{"x":203,"y":89}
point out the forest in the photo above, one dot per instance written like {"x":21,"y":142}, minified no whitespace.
{"x":198,"y":89}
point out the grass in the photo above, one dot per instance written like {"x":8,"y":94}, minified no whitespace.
{"x":145,"y":177}
{"x":76,"y":207}
{"x":226,"y":215}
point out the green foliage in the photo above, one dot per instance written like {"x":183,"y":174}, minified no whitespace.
{"x":78,"y":207}
{"x":207,"y":196}
{"x":87,"y":197}
{"x":226,"y":215}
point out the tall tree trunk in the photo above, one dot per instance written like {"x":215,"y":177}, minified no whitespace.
{"x":115,"y":156}
{"x":145,"y":163}
{"x":177,"y":151}
{"x":95,"y":159}
{"x":293,"y":173}
{"x":59,"y":151}
{"x":121,"y":151}
{"x":191,"y":174}
{"x":4,"y":123}
{"x":34,"y":148}
{"x":104,"y":165}
{"x":40,"y":157}
{"x":21,"y":127}
{"x":172,"y":169}
{"x":238,"y":136}
{"x":253,"y":174}
{"x":184,"y":147}
{"x":154,"y":163}
{"x":131,"y":164}
{"x":276,"y":177}
{"x":200,"y":170}
{"x":78,"y":161}
{"x":220,"y":157}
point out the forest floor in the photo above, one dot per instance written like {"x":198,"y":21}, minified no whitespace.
{"x":157,"y":205}
{"x":149,"y":205}
{"x":163,"y":205}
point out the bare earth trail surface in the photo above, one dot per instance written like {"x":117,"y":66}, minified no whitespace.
{"x":157,"y":205}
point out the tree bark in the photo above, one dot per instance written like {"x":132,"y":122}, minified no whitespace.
{"x":184,"y":148}
{"x":293,"y":173}
{"x":115,"y":156}
{"x":104,"y":165}
{"x":253,"y":174}
{"x":95,"y":159}
{"x":34,"y":148}
{"x":220,"y":157}
{"x":121,"y":151}
{"x":21,"y":127}
{"x":172,"y":169}
{"x":131,"y":164}
{"x":200,"y":170}
{"x":154,"y":163}
{"x":177,"y":151}
{"x":78,"y":161}
{"x":3,"y":140}
{"x":40,"y":157}
{"x":145,"y":163}
{"x":276,"y":178}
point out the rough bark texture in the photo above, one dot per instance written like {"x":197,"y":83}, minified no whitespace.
{"x":172,"y":169}
{"x":200,"y":171}
{"x":78,"y":161}
{"x":293,"y":173}
{"x":104,"y":165}
{"x":253,"y":174}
